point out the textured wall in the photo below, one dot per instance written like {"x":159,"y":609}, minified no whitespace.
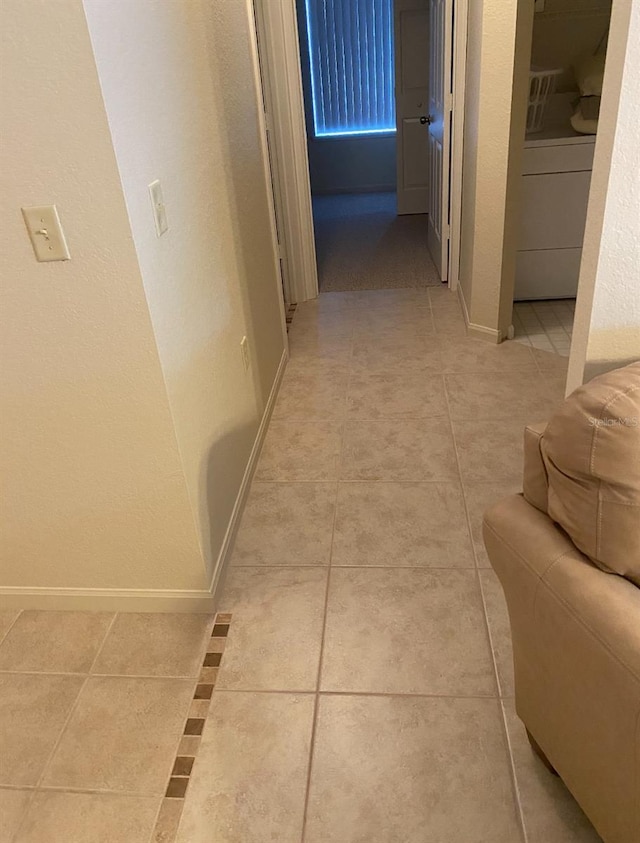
{"x":211,"y":278}
{"x":607,"y":321}
{"x":489,"y":156}
{"x":95,"y":495}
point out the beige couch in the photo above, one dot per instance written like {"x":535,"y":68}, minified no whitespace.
{"x":567,"y":553}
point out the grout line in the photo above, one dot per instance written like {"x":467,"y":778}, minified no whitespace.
{"x":76,"y":702}
{"x":356,"y":693}
{"x":489,"y":640}
{"x":316,"y":705}
{"x":514,"y":775}
{"x":370,"y":567}
{"x":110,"y":675}
{"x":11,"y":625}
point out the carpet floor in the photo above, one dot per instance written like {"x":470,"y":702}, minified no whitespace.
{"x":362,"y":244}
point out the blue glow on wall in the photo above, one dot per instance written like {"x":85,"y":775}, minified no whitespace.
{"x":352,"y":74}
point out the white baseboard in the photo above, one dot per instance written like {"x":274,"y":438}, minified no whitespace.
{"x":220,"y":567}
{"x":474,"y":330}
{"x":153,"y":600}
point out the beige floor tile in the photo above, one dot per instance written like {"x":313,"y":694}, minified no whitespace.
{"x":7,"y":619}
{"x":122,"y":736}
{"x":396,"y":353}
{"x":322,"y":321}
{"x":550,"y":813}
{"x":400,"y":450}
{"x":421,"y":525}
{"x":406,"y":631}
{"x":366,"y":300}
{"x":166,"y":828}
{"x":88,"y":818}
{"x":286,"y":524}
{"x":274,"y":639}
{"x":54,"y":642}
{"x":550,"y":360}
{"x":442,"y":296}
{"x":300,"y":450}
{"x":464,"y":355}
{"x":407,"y":317}
{"x":310,"y":346}
{"x":401,"y":395}
{"x":33,"y":711}
{"x":490,"y":450}
{"x":149,"y":644}
{"x":479,"y":497}
{"x":556,"y":382}
{"x":13,"y":805}
{"x":485,"y":396}
{"x":449,"y":322}
{"x":499,"y":630}
{"x":248,"y":783}
{"x":311,"y":394}
{"x":408,"y":770}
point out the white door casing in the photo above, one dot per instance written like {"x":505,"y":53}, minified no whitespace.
{"x":277,"y":33}
{"x":439,"y":145}
{"x":411,"y":45}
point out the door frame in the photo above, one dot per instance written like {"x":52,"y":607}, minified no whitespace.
{"x":277,"y":31}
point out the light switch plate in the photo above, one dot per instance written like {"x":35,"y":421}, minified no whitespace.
{"x":159,"y":209}
{"x":46,"y":234}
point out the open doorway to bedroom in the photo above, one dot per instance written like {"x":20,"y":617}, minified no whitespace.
{"x":365,"y":77}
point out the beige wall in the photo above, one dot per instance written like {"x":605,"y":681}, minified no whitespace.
{"x":94,"y":491}
{"x":130,"y":418}
{"x":494,"y":116}
{"x":607,"y":321}
{"x":211,"y":279}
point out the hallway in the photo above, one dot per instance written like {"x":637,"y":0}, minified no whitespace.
{"x":368,"y":667}
{"x":363,"y":244}
{"x":356,"y":684}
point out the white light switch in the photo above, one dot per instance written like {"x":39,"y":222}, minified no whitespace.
{"x":45,"y":231}
{"x":159,"y":210}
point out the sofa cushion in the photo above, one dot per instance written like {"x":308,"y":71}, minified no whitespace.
{"x":591,"y":452}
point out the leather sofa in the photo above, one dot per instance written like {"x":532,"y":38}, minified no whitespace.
{"x":567,"y":552}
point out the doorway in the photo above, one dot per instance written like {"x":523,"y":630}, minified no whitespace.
{"x":568,"y":51}
{"x":378,"y":137}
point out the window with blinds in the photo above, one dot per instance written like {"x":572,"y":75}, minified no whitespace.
{"x":351,"y":57}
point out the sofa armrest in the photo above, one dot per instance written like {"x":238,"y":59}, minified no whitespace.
{"x":576,"y":644}
{"x":535,"y":482}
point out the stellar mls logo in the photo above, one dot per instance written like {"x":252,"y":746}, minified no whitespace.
{"x":624,"y":421}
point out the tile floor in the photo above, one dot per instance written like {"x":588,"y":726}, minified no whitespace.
{"x":93,"y":711}
{"x":366,"y":693}
{"x":545,"y":325}
{"x":366,"y":688}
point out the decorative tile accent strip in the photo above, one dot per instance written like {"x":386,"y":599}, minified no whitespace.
{"x":291,"y":309}
{"x":171,"y":810}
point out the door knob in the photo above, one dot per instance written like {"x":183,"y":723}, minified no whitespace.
{"x":426,"y":120}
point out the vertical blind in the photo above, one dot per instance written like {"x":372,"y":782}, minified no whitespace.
{"x":351,"y":57}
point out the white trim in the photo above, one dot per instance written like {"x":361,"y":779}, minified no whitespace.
{"x":277,"y":31}
{"x":222,"y":562}
{"x":479,"y":331}
{"x":461,"y":12}
{"x":153,"y":600}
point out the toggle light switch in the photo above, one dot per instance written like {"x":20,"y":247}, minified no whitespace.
{"x":45,"y":231}
{"x":159,"y":210}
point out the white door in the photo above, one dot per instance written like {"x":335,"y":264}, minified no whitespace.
{"x":439,"y":142}
{"x":411,"y":43}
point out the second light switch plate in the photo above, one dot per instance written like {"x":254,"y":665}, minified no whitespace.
{"x":159,"y":210}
